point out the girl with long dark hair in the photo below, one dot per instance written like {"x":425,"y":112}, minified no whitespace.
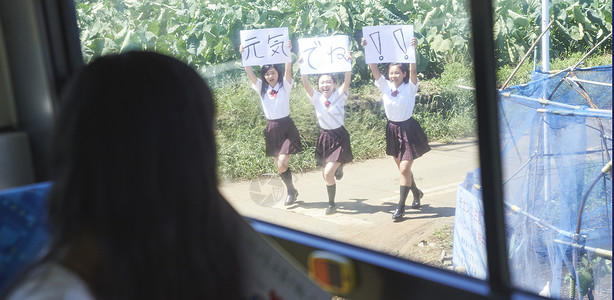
{"x":281,"y":135}
{"x":405,"y":138}
{"x":134,"y":210}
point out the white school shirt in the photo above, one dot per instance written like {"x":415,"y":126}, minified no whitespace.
{"x":331,"y":117}
{"x":275,"y":107}
{"x":401,"y":107}
{"x":51,"y":281}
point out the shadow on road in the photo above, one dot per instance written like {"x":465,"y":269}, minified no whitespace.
{"x":358,"y":206}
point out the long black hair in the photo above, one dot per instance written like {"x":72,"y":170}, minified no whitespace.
{"x":263,"y":71}
{"x":135,"y":168}
{"x":404,"y":68}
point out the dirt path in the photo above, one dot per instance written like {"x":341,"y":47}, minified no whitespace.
{"x":366,"y":198}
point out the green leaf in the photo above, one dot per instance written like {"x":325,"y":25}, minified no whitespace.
{"x":219,"y":48}
{"x":202,"y":46}
{"x":595,"y":18}
{"x":432,"y":34}
{"x":577,"y":32}
{"x":563,"y":32}
{"x":172,"y":28}
{"x":404,"y":5}
{"x":497,"y":28}
{"x":581,"y":18}
{"x":518,"y":18}
{"x":127,"y":40}
{"x":109,"y":47}
{"x":253,"y":17}
{"x":332,"y":23}
{"x":442,"y":45}
{"x":428,"y":17}
{"x":587,"y":282}
{"x":458,"y":40}
{"x":344,"y":17}
{"x":192,"y":44}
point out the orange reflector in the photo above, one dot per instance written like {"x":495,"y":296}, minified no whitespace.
{"x":334,"y":273}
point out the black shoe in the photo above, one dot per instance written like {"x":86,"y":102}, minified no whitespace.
{"x":331,"y":209}
{"x":399,"y":212}
{"x":416,"y":203}
{"x":291,"y":198}
{"x":339,"y":172}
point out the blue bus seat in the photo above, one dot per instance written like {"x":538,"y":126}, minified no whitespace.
{"x":23,"y":229}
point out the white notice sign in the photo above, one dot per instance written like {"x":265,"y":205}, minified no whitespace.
{"x":265,"y":46}
{"x":390,"y":43}
{"x":325,"y":54}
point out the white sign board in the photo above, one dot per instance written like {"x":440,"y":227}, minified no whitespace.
{"x":265,"y":46}
{"x":325,"y":54}
{"x":469,"y":249}
{"x":390,"y":43}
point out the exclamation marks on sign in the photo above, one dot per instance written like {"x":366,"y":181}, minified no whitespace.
{"x":400,"y":38}
{"x":377,"y":42}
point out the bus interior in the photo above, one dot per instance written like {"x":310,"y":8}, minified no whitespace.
{"x":40,"y":50}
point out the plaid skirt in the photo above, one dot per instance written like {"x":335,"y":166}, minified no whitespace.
{"x":281,"y":137}
{"x":333,"y":146}
{"x":406,"y":140}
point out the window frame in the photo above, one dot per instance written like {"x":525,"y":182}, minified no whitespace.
{"x":59,"y":32}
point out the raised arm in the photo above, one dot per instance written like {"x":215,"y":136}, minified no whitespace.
{"x":288,"y":71}
{"x":346,"y":82}
{"x":251,"y":75}
{"x":248,"y":69}
{"x":307,"y":86}
{"x":374,"y":69}
{"x":305,"y":80}
{"x":413,"y":73}
{"x":345,"y":87}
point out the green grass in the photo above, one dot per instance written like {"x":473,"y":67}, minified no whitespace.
{"x":444,"y":235}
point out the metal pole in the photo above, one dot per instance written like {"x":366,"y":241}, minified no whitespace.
{"x":546,"y":68}
{"x":545,"y":37}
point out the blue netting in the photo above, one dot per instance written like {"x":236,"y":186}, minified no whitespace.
{"x":551,"y":154}
{"x":556,"y":137}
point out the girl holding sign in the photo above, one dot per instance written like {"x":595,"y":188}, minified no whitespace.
{"x":405,"y":138}
{"x":333,"y":146}
{"x":281,"y":135}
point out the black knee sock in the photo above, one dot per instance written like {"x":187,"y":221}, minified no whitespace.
{"x":332,"y":190}
{"x":287,"y":179}
{"x":404,"y":190}
{"x":414,"y":189}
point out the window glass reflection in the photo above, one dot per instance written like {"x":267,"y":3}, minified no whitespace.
{"x":207,"y":35}
{"x":555,"y":130}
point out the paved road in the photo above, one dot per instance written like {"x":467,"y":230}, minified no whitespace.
{"x":366,"y":198}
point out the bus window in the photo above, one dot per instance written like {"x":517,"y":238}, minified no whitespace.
{"x":555,"y":112}
{"x":368,"y":194}
{"x":556,"y":185}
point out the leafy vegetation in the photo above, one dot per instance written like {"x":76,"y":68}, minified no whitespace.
{"x":205,"y":34}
